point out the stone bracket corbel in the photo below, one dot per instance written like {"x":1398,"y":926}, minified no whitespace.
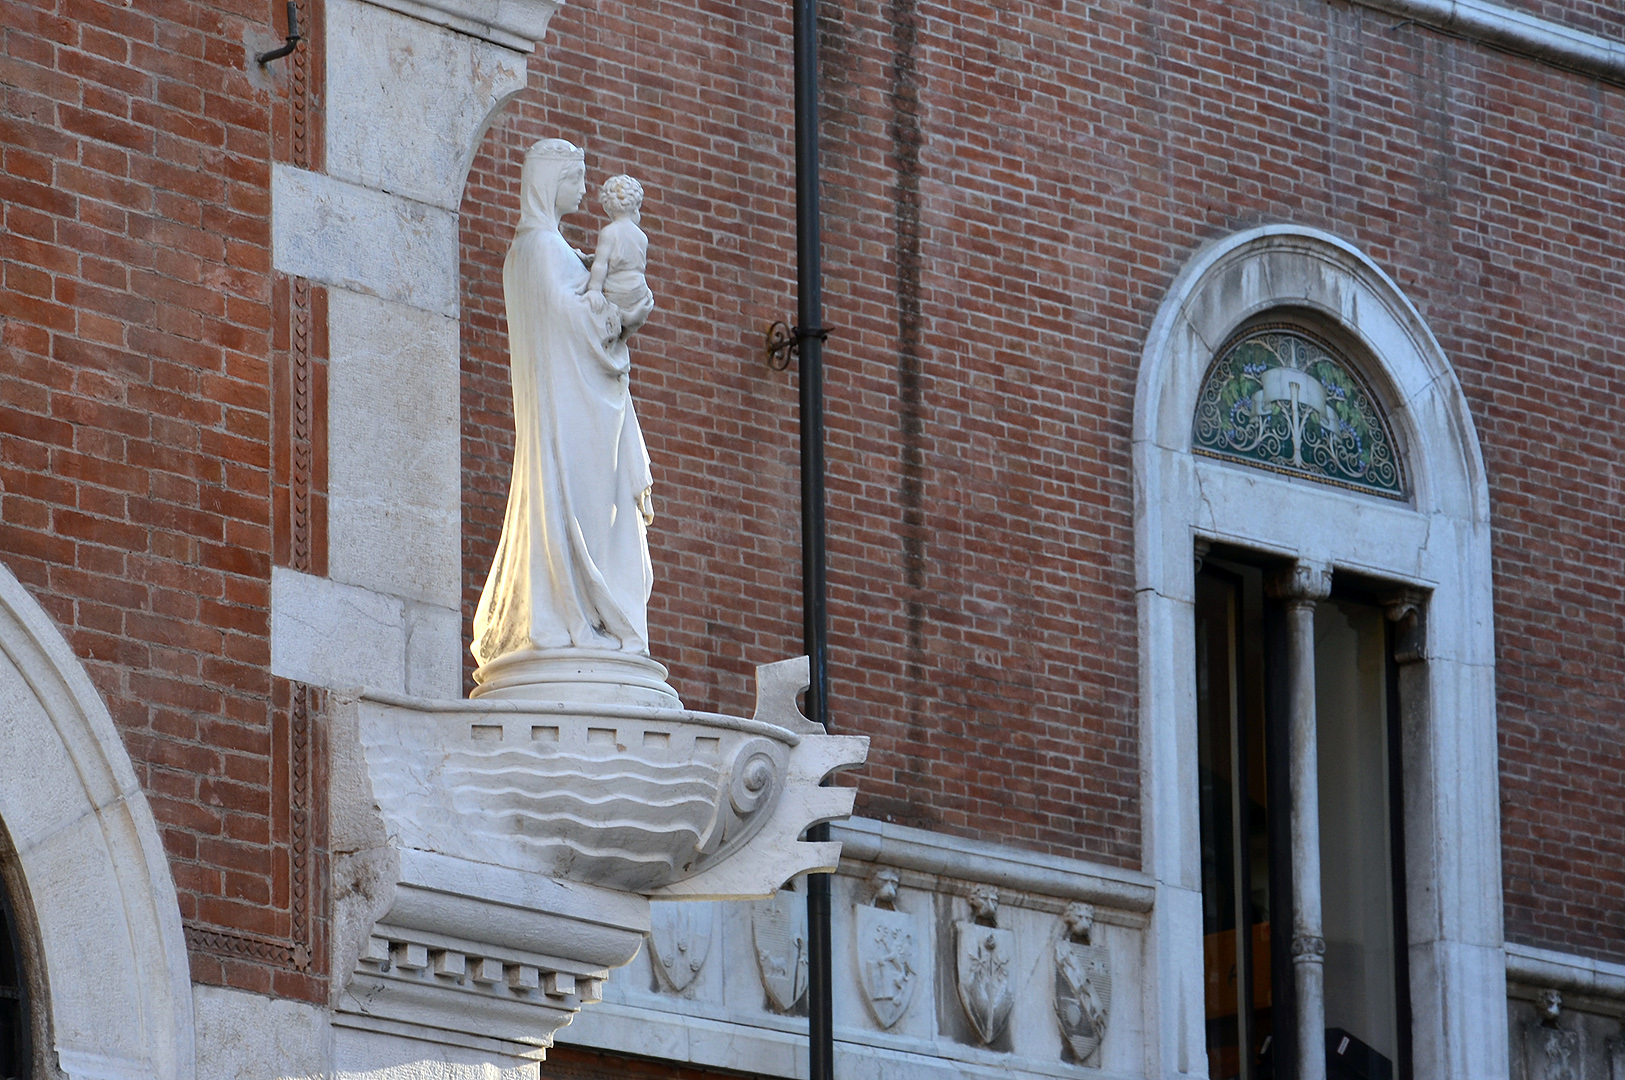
{"x":1407,"y":610}
{"x":494,"y":859}
{"x":484,"y":957}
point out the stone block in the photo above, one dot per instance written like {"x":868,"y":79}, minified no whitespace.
{"x":414,"y":140}
{"x":243,"y":1036}
{"x":434,"y":651}
{"x":358,"y":238}
{"x":394,"y":456}
{"x":329,"y":634}
{"x":515,"y":24}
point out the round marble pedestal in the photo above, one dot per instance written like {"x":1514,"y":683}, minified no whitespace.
{"x":597,"y":676}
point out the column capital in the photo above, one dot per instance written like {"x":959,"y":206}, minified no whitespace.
{"x":1308,"y":948}
{"x":1302,"y":582}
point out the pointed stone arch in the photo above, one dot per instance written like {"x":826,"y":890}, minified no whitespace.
{"x":118,"y":988}
{"x":1437,"y":541}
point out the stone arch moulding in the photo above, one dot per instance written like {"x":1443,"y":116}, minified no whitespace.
{"x":119,"y":990}
{"x":1439,"y":541}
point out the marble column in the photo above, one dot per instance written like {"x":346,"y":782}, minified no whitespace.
{"x":1302,"y":585}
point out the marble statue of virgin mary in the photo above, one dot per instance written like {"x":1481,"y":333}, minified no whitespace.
{"x":564,"y":612}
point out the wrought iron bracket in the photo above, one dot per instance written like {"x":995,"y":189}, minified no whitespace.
{"x":784,"y":343}
{"x":290,"y":43}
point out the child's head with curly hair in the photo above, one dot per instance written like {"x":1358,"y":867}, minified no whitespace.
{"x":621,"y":196}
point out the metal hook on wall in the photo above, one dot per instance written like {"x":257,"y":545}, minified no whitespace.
{"x":292,"y":39}
{"x":784,"y":342}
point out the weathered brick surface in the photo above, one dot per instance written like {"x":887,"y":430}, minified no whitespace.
{"x":1010,"y":189}
{"x":137,"y":340}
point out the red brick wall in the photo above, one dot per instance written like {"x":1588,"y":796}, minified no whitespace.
{"x":928,"y":571}
{"x":1010,"y":189}
{"x":137,"y":348}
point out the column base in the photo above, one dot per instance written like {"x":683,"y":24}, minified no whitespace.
{"x":591,"y":676}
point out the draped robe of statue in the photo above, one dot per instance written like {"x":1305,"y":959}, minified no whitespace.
{"x":567,"y":595}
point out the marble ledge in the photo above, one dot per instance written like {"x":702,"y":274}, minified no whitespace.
{"x":1005,"y":866}
{"x":780,"y":1050}
{"x":1516,"y":31}
{"x":1550,"y":969}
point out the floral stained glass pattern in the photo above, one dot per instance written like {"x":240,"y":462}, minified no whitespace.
{"x":1279,"y":400}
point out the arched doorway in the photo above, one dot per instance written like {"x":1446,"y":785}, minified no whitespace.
{"x":1429,"y":534}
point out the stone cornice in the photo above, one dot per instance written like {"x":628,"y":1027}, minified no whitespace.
{"x":1564,"y":971}
{"x":868,"y":841}
{"x":1517,"y":32}
{"x":515,"y":24}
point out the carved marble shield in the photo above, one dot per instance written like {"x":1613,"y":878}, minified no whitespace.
{"x":888,"y":961}
{"x":1554,"y":1053}
{"x":1083,"y":994}
{"x":984,"y":957}
{"x":779,"y":930}
{"x":679,"y":941}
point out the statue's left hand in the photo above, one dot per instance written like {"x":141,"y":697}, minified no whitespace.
{"x":646,"y":505}
{"x":608,"y":314}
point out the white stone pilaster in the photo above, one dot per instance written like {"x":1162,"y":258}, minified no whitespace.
{"x":410,"y":89}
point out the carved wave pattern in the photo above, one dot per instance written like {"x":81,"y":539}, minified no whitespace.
{"x":571,"y":815}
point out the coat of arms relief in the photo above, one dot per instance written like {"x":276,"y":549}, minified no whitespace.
{"x":779,"y":933}
{"x":984,"y":954}
{"x":887,"y":942}
{"x":679,"y":942}
{"x":1083,"y":983}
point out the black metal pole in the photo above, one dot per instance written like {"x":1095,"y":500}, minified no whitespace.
{"x":815,"y":622}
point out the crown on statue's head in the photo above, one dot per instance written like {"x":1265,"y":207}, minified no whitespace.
{"x":559,"y":149}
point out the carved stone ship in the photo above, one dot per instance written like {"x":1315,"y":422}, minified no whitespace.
{"x":497,"y":836}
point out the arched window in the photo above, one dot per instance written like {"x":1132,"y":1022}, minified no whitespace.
{"x":1317,"y":676}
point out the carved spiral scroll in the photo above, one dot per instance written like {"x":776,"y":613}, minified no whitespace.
{"x":755,"y":777}
{"x":1308,"y":947}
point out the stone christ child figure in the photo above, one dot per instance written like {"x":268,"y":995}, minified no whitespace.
{"x":563,"y":616}
{"x":623,"y":254}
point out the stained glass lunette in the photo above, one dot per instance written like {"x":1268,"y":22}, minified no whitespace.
{"x":1278,"y":399}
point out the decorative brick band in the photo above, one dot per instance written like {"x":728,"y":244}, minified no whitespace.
{"x":300,"y":445}
{"x":300,"y":815}
{"x":298,"y":950}
{"x":270,"y":950}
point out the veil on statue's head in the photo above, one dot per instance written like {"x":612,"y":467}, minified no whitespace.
{"x":545,"y":165}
